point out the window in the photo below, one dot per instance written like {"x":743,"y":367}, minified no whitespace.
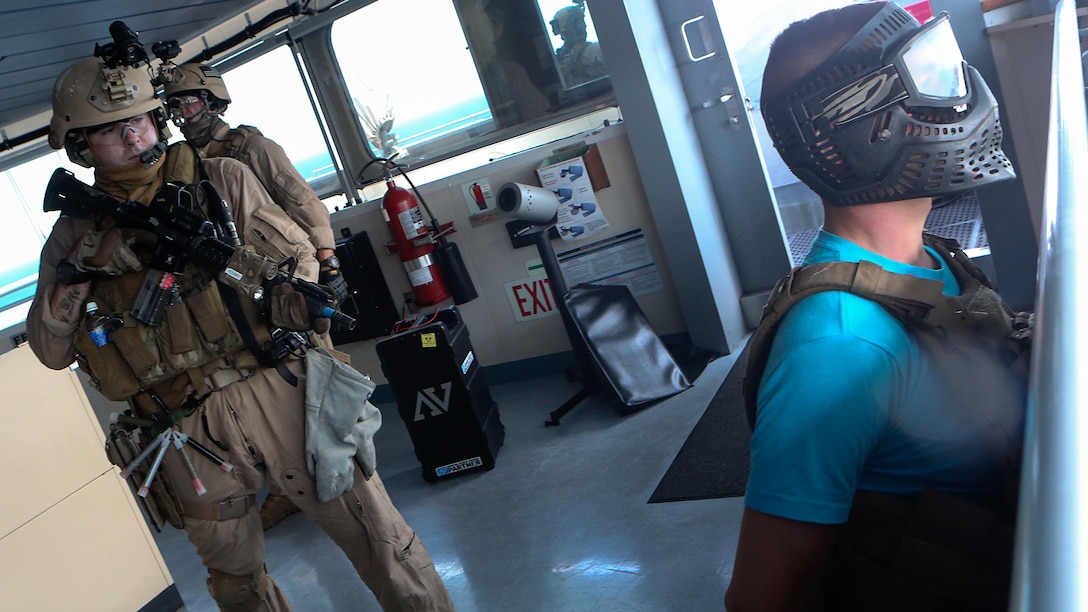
{"x":24,"y":227}
{"x":455,"y":76}
{"x":267,"y":93}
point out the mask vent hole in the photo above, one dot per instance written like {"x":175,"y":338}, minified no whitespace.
{"x":826,"y":155}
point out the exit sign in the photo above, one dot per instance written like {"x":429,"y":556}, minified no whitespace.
{"x":531,"y":298}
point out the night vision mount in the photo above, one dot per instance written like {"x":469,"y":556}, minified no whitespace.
{"x":127,"y":50}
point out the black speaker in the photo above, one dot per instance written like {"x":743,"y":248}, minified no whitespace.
{"x":369,"y":300}
{"x":441,"y":395}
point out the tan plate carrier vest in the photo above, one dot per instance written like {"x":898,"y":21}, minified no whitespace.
{"x":198,"y":341}
{"x":936,"y":552}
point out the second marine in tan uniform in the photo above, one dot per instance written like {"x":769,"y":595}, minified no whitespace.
{"x":196,"y":96}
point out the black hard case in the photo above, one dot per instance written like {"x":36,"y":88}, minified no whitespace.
{"x":369,"y":300}
{"x":442,"y":396}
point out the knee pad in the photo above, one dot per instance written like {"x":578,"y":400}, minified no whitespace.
{"x":237,"y":593}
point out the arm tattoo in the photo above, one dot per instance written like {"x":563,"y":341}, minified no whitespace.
{"x":70,"y":303}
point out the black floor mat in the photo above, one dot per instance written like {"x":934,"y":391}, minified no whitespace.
{"x":714,"y":460}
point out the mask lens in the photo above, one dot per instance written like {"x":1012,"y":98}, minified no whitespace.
{"x":934,"y":63}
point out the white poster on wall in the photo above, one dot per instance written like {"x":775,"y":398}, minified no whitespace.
{"x":578,"y":215}
{"x":622,"y":259}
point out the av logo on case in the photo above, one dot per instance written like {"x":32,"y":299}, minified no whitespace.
{"x":436,"y":400}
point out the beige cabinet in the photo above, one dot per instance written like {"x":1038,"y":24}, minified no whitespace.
{"x":71,"y":535}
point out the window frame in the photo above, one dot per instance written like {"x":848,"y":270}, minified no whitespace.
{"x":340,"y":114}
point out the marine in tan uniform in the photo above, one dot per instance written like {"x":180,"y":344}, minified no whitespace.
{"x":580,"y":61}
{"x":193,"y":363}
{"x":196,"y":96}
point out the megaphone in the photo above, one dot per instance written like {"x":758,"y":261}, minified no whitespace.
{"x":528,"y":202}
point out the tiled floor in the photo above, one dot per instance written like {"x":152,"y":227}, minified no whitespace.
{"x":560,"y":524}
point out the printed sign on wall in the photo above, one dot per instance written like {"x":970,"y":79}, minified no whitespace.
{"x":482,"y":208}
{"x":578,"y":215}
{"x":531,"y":298}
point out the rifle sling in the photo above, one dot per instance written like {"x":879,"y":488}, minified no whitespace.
{"x":234,"y":307}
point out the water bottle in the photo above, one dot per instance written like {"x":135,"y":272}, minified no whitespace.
{"x":98,"y":325}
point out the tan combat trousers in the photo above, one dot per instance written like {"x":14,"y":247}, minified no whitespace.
{"x":260,"y":422}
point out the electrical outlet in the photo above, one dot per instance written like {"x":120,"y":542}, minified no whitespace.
{"x":409,"y":297}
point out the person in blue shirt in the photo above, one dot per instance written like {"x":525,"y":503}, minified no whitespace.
{"x":861,"y":433}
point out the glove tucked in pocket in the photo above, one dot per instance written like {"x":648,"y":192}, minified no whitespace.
{"x":340,"y":423}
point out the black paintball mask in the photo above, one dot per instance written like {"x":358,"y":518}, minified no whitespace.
{"x":894,"y":114}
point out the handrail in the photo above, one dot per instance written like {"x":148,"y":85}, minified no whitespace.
{"x":1052,"y":531}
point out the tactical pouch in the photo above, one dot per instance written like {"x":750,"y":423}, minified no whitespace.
{"x":206,"y":307}
{"x":182,"y":336}
{"x":193,"y":332}
{"x":105,"y":252}
{"x":273,"y":234}
{"x":108,"y":370}
{"x":161,"y":505}
{"x":132,"y":341}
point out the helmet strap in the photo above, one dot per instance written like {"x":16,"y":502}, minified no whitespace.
{"x":79,"y":152}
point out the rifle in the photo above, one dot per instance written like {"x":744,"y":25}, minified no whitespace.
{"x":185,"y":235}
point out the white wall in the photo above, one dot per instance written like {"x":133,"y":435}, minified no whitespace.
{"x":497,"y":337}
{"x":71,"y":535}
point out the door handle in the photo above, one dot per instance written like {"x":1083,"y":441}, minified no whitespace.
{"x":687,"y":42}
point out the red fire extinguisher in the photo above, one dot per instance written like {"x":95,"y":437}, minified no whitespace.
{"x":405,"y":219}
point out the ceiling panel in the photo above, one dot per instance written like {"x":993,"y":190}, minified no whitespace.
{"x":39,"y":39}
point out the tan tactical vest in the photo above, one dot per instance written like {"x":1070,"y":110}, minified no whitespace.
{"x":939,"y":551}
{"x":197,"y":339}
{"x":237,"y":138}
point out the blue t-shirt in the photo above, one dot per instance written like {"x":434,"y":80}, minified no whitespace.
{"x":849,"y":401}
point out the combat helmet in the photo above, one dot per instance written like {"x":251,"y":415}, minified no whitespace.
{"x":90,"y":93}
{"x":199,"y":80}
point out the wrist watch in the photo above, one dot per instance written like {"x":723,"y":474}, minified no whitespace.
{"x":332,"y":261}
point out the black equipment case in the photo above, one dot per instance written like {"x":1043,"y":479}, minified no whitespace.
{"x":441,"y":395}
{"x":369,"y":300}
